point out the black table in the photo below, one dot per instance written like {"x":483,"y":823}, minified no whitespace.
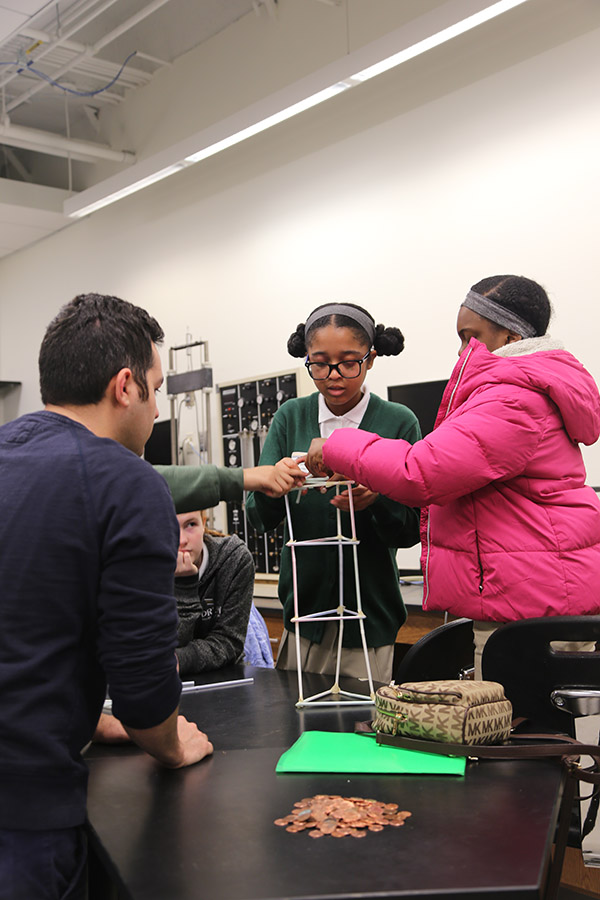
{"x":207,"y":832}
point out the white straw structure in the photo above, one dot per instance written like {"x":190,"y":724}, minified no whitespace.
{"x":339,"y":614}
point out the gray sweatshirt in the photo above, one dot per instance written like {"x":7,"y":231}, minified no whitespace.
{"x":214,"y":607}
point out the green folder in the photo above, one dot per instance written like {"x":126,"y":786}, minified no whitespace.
{"x":328,"y":751}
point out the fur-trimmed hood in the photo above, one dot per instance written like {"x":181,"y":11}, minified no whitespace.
{"x":538,"y":364}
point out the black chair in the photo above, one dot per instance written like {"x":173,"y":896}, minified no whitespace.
{"x":549,"y":688}
{"x":546,"y":686}
{"x":445,"y":652}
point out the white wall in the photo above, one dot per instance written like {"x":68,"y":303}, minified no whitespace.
{"x":397,"y":209}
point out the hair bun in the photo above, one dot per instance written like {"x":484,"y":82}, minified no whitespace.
{"x":388,"y":341}
{"x":296,"y":345}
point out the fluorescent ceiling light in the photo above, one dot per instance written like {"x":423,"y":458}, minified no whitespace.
{"x":446,"y":34}
{"x":275,"y":119}
{"x":318,"y":87}
{"x":125,"y":191}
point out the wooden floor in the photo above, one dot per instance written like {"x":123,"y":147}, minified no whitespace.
{"x":584,"y":880}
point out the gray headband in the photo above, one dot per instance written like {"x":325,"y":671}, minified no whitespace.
{"x":340,"y":309}
{"x":491,"y":310}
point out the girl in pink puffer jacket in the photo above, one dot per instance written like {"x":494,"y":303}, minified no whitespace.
{"x":509,"y":529}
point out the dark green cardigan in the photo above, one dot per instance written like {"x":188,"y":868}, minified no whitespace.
{"x":381,"y":528}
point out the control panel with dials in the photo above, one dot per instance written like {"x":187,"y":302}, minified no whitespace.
{"x":247,"y":409}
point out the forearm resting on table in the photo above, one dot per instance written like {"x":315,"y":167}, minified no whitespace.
{"x":174,"y":743}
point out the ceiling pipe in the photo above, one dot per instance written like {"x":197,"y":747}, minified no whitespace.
{"x":89,"y":51}
{"x":57,"y":145}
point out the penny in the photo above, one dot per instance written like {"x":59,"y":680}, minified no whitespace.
{"x":351,"y":815}
{"x":315,"y":834}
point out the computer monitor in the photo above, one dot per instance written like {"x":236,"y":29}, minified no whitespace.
{"x":423,"y":398}
{"x":158,"y":446}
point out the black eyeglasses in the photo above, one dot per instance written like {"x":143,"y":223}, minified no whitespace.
{"x":347,"y":368}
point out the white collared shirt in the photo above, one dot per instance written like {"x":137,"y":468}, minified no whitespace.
{"x":203,"y":562}
{"x":329,"y":422}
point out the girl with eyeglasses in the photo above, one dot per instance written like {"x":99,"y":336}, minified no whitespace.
{"x":339,"y":343}
{"x":510,"y":530}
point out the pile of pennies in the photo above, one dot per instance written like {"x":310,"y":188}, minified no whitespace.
{"x":330,"y":814}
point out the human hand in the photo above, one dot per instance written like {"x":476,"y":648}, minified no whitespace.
{"x":314,"y":459}
{"x":362,"y":497}
{"x":274,"y":481}
{"x":185,"y":566}
{"x":194,"y":743}
{"x":110,"y":731}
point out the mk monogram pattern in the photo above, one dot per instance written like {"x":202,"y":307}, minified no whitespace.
{"x":460,"y":712}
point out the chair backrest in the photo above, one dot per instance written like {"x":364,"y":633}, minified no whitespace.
{"x":440,"y":654}
{"x":520,"y":657}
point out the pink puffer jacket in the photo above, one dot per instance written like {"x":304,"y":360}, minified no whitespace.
{"x":511,"y":531}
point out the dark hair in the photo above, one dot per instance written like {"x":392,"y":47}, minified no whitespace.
{"x":520,"y":295}
{"x":387,"y":341}
{"x":89,"y":341}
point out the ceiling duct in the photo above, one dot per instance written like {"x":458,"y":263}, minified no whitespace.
{"x":57,"y":145}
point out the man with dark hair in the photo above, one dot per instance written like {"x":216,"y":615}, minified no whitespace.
{"x":104,"y":334}
{"x":88,"y":546}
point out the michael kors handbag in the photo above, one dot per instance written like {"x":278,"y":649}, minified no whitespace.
{"x":459,"y":712}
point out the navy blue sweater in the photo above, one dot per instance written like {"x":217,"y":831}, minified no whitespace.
{"x":88,"y":545}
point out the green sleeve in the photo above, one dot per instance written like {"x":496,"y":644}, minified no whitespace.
{"x":265,"y":513}
{"x":200,"y":487}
